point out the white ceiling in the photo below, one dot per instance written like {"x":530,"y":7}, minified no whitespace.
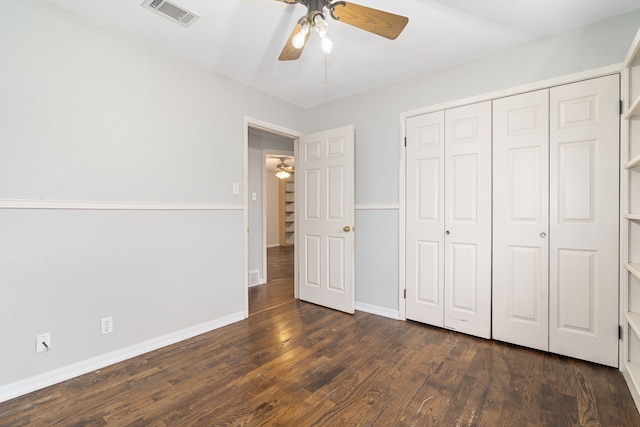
{"x":242,"y":39}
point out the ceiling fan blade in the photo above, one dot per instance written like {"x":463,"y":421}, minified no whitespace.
{"x":375,"y":21}
{"x":290,"y":53}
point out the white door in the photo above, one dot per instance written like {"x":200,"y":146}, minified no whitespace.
{"x":425,"y":218}
{"x":521,"y":219}
{"x":467,"y":271}
{"x":325,"y":206}
{"x":584,"y":155}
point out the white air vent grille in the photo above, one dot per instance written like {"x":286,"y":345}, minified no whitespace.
{"x":254,"y":277}
{"x":172,"y":11}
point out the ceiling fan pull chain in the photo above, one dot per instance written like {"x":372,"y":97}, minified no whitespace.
{"x":326,"y":71}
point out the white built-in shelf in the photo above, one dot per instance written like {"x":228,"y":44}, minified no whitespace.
{"x":633,"y":268}
{"x":633,"y":370}
{"x":634,"y":51}
{"x":631,"y":85}
{"x":633,"y":162}
{"x":633,"y":319}
{"x":634,"y":110}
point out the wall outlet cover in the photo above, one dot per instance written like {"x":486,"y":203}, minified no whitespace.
{"x":106,"y":325}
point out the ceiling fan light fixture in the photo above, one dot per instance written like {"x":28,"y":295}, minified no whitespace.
{"x":320,"y":24}
{"x":283,"y":170}
{"x":300,"y":38}
{"x":282,"y":174}
{"x":326,"y":45}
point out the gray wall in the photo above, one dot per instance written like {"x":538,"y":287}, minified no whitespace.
{"x":87,"y":115}
{"x":376,"y":116}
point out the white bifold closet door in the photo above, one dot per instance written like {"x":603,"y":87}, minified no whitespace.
{"x":584,"y":183}
{"x":555,"y":220}
{"x":449,"y":219}
{"x":425,"y":219}
{"x":521,"y":219}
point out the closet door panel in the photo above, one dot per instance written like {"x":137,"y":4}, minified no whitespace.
{"x":468,"y":219}
{"x":520,"y":219}
{"x":584,"y":217}
{"x":425,"y":219}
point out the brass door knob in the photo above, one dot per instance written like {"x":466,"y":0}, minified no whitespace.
{"x":346,"y":229}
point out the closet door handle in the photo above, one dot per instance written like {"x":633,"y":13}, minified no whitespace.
{"x":447,"y":232}
{"x":543,"y":234}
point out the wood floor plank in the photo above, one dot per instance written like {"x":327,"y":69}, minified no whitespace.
{"x":300,"y":364}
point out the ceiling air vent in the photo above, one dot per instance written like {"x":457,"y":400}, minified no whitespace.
{"x":172,"y":11}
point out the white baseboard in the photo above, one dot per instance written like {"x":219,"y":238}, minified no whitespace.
{"x":22,"y":387}
{"x":260,"y":283}
{"x":380,"y":311}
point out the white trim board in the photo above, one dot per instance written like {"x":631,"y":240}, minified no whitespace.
{"x":19,"y":388}
{"x":112,"y":205}
{"x":377,"y":207}
{"x":377,"y":310}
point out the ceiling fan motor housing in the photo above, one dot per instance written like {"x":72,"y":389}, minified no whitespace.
{"x":315,"y":7}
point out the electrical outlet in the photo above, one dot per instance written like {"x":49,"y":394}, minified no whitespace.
{"x":106,"y":325}
{"x":43,"y":342}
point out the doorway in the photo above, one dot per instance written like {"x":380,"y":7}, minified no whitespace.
{"x":278,"y":212}
{"x":262,"y":140}
{"x":326,"y":196}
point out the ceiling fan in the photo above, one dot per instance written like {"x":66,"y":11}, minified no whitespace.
{"x":375,"y":21}
{"x":283,"y":170}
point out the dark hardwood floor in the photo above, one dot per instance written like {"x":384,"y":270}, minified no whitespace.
{"x":280,"y":263}
{"x":303,"y":365}
{"x":279,"y":287}
{"x":297,"y":364}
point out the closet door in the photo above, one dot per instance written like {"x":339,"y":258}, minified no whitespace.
{"x":467,"y":242}
{"x":425,"y":219}
{"x":584,"y":202}
{"x":521,"y":219}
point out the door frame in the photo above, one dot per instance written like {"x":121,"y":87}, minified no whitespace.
{"x":529,"y":87}
{"x":278,"y":130}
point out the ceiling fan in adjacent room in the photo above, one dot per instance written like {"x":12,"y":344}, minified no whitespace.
{"x":283,"y":170}
{"x":375,"y":21}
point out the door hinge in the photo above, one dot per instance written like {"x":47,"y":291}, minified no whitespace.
{"x":405,"y":141}
{"x":619,"y":332}
{"x":405,"y":294}
{"x":621,"y":107}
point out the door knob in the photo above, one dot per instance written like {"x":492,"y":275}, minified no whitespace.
{"x":543,"y":234}
{"x":447,"y":232}
{"x":346,"y":229}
